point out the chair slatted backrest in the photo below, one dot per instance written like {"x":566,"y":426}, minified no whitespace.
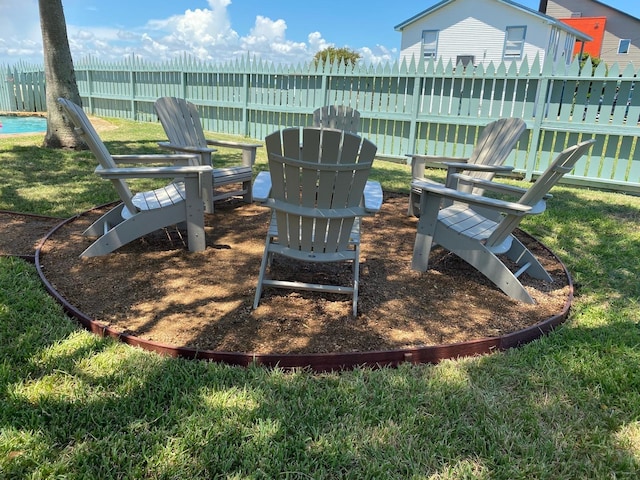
{"x":563,"y":164}
{"x":338,"y":117}
{"x":317,"y":189}
{"x":85,"y":129}
{"x":497,"y":139}
{"x":184,"y":128}
{"x":495,"y":142}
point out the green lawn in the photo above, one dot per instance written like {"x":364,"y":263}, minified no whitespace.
{"x":73,"y":405}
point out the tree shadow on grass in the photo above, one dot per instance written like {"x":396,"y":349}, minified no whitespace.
{"x":563,"y":406}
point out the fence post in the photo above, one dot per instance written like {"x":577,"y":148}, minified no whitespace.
{"x":183,"y":80}
{"x":245,"y":104}
{"x":132,"y":88}
{"x":323,"y":86}
{"x":544,"y":77}
{"x":90,"y":86}
{"x":415,"y":107}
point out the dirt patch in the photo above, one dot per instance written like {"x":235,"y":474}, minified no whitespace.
{"x":156,"y":289}
{"x":20,"y":234}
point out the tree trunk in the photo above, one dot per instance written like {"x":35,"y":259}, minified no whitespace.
{"x":60,"y":77}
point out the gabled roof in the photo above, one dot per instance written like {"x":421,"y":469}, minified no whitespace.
{"x":541,"y":16}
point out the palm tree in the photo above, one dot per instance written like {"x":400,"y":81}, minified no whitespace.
{"x":60,"y":77}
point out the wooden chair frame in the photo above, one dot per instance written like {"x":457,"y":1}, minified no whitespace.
{"x":181,"y":123}
{"x":180,"y":201}
{"x":478,"y":239}
{"x":494,"y":144}
{"x":318,"y":194}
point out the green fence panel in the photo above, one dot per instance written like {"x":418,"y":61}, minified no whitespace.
{"x":426,"y":108}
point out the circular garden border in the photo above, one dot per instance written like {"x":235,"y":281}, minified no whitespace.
{"x":321,"y":362}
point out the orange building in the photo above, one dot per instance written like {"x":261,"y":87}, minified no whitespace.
{"x":592,"y":26}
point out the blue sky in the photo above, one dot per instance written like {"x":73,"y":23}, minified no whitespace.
{"x":283,"y":31}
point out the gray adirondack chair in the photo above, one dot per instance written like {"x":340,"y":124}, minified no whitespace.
{"x":318,"y":194}
{"x":144,"y":212}
{"x":181,"y":123}
{"x":338,"y":117}
{"x":479,"y":240}
{"x":494,"y":144}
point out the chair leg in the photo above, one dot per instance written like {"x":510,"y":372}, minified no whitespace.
{"x":194,"y":207}
{"x":248,"y":196}
{"x":487,"y":263}
{"x":356,"y":280}
{"x":426,"y":231}
{"x":110,"y":219}
{"x":207,"y":195}
{"x":266,"y":260}
{"x":134,"y":227}
{"x":521,"y":255}
{"x":414,"y":199}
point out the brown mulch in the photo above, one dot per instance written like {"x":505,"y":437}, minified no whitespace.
{"x":155,"y":289}
{"x":20,"y":234}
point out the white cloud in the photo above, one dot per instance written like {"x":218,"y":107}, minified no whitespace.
{"x":267,"y":40}
{"x":267,"y":30}
{"x":205,"y":33}
{"x":379,"y":54}
{"x":317,"y":43}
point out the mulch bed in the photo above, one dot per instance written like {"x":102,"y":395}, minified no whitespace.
{"x":21,"y":233}
{"x":156,"y":290}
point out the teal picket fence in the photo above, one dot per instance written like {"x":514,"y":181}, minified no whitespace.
{"x":426,"y":108}
{"x":22,"y":89}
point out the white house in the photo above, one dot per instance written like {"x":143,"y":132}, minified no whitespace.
{"x":483,"y":31}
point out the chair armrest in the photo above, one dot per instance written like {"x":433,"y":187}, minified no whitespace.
{"x":248,"y":149}
{"x":435,"y":158}
{"x":470,"y":199}
{"x":372,"y":192}
{"x":261,"y":187}
{"x":419,"y":163}
{"x":153,"y":158}
{"x":453,"y":169}
{"x":153,"y":172}
{"x":458,"y":166}
{"x":495,"y":186}
{"x":372,"y":196}
{"x":183,"y":148}
{"x":230,"y":144}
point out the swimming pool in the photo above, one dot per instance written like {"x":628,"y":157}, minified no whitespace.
{"x":14,"y":124}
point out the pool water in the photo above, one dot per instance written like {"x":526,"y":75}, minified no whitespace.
{"x":14,"y":124}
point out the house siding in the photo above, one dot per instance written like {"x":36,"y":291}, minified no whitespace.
{"x":618,"y":26}
{"x":481,"y":35}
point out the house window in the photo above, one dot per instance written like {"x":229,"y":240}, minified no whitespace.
{"x":623,"y":46}
{"x":514,"y":42}
{"x":465,"y":60}
{"x":429,"y":44}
